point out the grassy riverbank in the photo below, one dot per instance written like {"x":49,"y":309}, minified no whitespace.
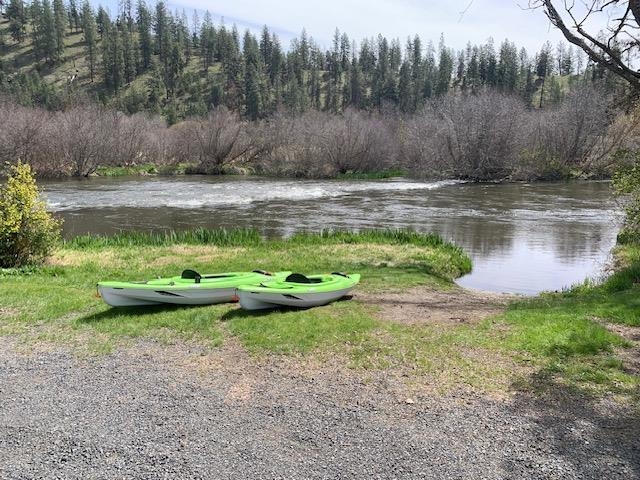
{"x":535,"y":343}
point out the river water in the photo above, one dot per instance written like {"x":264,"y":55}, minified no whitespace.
{"x":523,"y":238}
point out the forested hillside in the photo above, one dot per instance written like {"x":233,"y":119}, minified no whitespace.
{"x":210,"y":97}
{"x":151,"y":59}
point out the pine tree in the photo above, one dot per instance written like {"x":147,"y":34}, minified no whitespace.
{"x":43,"y":33}
{"x":405,"y":88}
{"x":74,"y":17}
{"x":208,"y":43}
{"x":128,"y":54}
{"x":60,"y":23}
{"x":356,"y":83}
{"x":445,"y":69}
{"x":145,"y":44}
{"x":112,"y":56}
{"x":544,"y":68}
{"x":507,"y":72}
{"x":162,"y":31}
{"x":89,"y":29}
{"x":102,"y":18}
{"x":430,"y":72}
{"x":17,"y":15}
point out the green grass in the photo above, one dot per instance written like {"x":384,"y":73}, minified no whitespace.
{"x":565,"y":335}
{"x":540,"y":343}
{"x":110,"y":171}
{"x":292,"y":331}
{"x":62,"y":297}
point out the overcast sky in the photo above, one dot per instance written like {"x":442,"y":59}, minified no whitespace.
{"x":481,"y":19}
{"x":360,"y":19}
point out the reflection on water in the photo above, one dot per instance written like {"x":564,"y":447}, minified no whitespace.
{"x":522,"y":238}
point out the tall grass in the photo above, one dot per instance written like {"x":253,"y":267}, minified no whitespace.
{"x":198,"y":236}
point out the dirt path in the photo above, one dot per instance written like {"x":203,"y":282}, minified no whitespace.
{"x":428,"y":305}
{"x":172,"y":411}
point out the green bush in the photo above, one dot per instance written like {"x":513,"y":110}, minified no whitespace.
{"x":27,"y":231}
{"x":626,"y":183}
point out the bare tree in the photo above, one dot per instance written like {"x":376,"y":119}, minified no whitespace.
{"x":84,"y":138}
{"x":478,"y":136}
{"x":21,"y":131}
{"x":217,"y":141}
{"x":617,"y":47}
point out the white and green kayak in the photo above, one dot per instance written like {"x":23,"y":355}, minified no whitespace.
{"x":190,"y":288}
{"x":296,"y":290}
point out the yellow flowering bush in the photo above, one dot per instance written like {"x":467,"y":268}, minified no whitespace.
{"x":27,"y":231}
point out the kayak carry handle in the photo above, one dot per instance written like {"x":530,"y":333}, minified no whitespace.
{"x":342,"y":274}
{"x":263,"y":272}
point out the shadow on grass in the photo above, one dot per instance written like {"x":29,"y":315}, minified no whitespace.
{"x":242,"y":313}
{"x":113,"y":312}
{"x":594,"y":435}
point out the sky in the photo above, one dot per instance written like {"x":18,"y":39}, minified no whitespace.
{"x":459,"y":21}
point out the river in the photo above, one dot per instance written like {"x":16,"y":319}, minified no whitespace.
{"x":523,"y":238}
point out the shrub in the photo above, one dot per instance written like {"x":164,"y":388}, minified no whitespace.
{"x":27,"y":231}
{"x":626,"y":184}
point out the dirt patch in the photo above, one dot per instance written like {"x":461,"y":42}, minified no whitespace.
{"x":630,"y":356}
{"x":7,"y":312}
{"x":426,"y":305}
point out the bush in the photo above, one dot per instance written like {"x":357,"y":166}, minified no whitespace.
{"x":27,"y":231}
{"x":626,"y":184}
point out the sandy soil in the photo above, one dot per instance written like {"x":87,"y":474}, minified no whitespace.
{"x":428,"y":305}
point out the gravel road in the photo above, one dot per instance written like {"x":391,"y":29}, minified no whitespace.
{"x":172,"y":412}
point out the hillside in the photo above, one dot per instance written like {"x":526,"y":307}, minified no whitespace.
{"x":165,"y":64}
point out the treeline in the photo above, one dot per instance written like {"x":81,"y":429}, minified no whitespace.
{"x":486,"y":136}
{"x":149,"y":59}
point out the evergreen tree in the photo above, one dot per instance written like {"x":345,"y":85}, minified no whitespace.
{"x":567,"y":62}
{"x":356,"y":84}
{"x":43,"y":33}
{"x":112,"y":56}
{"x":162,"y":33}
{"x":472,"y":76}
{"x":60,"y":23}
{"x":445,"y":69}
{"x":460,"y":66}
{"x":405,"y":88}
{"x":304,"y":49}
{"x":89,"y":28}
{"x":195,"y":30}
{"x":74,"y":16}
{"x":430,"y":72}
{"x":145,"y":43}
{"x":17,"y":15}
{"x":507,"y":72}
{"x":128,"y":52}
{"x":417,"y":71}
{"x":208,"y":43}
{"x":102,"y":18}
{"x":544,"y":68}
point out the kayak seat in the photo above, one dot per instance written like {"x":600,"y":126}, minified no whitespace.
{"x":191,"y":275}
{"x":300,"y":278}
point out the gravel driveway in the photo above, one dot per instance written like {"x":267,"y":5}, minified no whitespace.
{"x":170,"y":412}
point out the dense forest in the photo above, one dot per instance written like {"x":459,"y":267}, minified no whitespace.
{"x":203,"y":94}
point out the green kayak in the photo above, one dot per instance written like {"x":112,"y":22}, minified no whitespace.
{"x":297,"y":290}
{"x":190,"y":288}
